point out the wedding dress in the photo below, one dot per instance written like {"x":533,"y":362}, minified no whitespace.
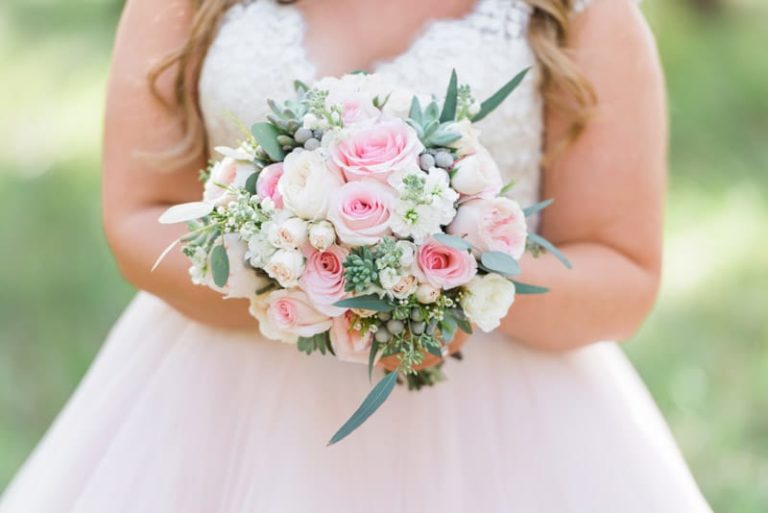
{"x":178,"y":417}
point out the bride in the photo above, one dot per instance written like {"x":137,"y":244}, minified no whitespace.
{"x":187,"y":409}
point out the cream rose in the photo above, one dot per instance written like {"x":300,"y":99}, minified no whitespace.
{"x":307,"y":184}
{"x":322,"y":235}
{"x":487,"y":300}
{"x":290,"y":234}
{"x":285,"y":266}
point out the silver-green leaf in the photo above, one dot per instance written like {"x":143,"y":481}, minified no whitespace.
{"x":266,"y":135}
{"x":219,"y":265}
{"x":372,"y":402}
{"x":500,"y":263}
{"x":367,"y":302}
{"x":544,"y":243}
{"x":499,"y":96}
{"x":452,"y":241}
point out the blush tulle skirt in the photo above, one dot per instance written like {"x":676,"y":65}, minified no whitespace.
{"x":177,"y":417}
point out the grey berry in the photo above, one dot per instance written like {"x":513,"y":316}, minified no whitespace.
{"x":426,"y":161}
{"x":384,"y":316}
{"x":444,"y":159}
{"x":395,"y":327}
{"x":417,"y":328}
{"x":302,"y":135}
{"x":416,"y":315}
{"x":312,"y":144}
{"x":382,"y":336}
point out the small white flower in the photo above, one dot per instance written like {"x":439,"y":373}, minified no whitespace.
{"x":322,"y":235}
{"x":410,"y":219}
{"x":286,"y":266}
{"x":487,"y":300}
{"x":260,"y":250}
{"x":408,"y":250}
{"x":268,"y":205}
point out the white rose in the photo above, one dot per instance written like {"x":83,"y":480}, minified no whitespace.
{"x":290,"y":234}
{"x":427,"y":294}
{"x":286,"y":266}
{"x":308,"y":185}
{"x":487,"y":300}
{"x":322,"y":235}
{"x":388,"y":278}
{"x":477,"y":174}
{"x":260,"y":250}
{"x":469,"y":142}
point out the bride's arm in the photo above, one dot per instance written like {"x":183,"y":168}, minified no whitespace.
{"x":135,"y":192}
{"x":609,"y":194}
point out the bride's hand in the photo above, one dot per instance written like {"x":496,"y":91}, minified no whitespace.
{"x":391,"y":363}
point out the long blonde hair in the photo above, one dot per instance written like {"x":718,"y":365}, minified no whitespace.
{"x":563,"y":87}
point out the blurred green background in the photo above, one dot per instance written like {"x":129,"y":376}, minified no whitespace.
{"x":703,"y":352}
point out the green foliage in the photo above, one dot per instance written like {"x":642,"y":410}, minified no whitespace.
{"x":266,"y":134}
{"x":320,"y":342}
{"x":219,"y":265}
{"x":360,"y":270}
{"x":373,"y":400}
{"x":499,"y":96}
{"x":498,"y":262}
{"x":367,"y":302}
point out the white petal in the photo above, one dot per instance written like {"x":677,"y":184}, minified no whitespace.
{"x":186,"y":212}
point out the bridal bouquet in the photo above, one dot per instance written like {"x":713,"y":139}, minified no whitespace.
{"x":363,"y":220}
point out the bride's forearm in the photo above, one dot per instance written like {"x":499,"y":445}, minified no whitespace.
{"x":137,"y":240}
{"x":605,"y":296}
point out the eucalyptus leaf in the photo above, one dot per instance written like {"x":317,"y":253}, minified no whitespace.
{"x":436,"y":349}
{"x":372,"y":358}
{"x":508,"y":187}
{"x":500,"y":263}
{"x":452,"y":241}
{"x":451,"y":96}
{"x":372,"y":402}
{"x":499,"y":96}
{"x":219,"y":265}
{"x":266,"y":135}
{"x":250,"y":183}
{"x":186,"y":212}
{"x":367,"y":302}
{"x":538,"y":207}
{"x":524,"y":288}
{"x":544,"y":243}
{"x":448,"y":327}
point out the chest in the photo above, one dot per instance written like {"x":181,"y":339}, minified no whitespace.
{"x":262,"y":47}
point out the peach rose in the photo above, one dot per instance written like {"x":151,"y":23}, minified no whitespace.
{"x":323,"y":279}
{"x":361,"y":212}
{"x":348,"y":344}
{"x":496,"y":224}
{"x":286,"y":315}
{"x":377,"y":150}
{"x":444,"y":267}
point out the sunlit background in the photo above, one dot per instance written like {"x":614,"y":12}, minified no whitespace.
{"x":703,"y":352}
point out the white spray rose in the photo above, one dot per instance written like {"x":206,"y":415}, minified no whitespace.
{"x":307,"y":184}
{"x":469,"y":142}
{"x":286,"y":266}
{"x":427,"y":294}
{"x":477,"y":174}
{"x":290,"y":234}
{"x":322,"y":235}
{"x":487,"y":300}
{"x":225,"y":174}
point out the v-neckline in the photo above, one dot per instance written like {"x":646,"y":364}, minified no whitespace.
{"x":377,"y":64}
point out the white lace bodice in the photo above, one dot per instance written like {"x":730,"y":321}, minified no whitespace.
{"x":259,"y":51}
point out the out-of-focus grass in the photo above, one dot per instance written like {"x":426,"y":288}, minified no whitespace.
{"x":703,"y":352}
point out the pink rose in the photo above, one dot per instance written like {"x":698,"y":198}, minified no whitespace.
{"x":266,"y":185}
{"x":348,"y":344}
{"x":323,"y":279}
{"x":496,"y":224}
{"x":361,"y":212}
{"x":286,"y":315}
{"x":444,"y":267}
{"x":375,"y":151}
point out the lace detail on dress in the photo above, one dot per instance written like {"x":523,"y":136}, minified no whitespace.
{"x":259,"y":51}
